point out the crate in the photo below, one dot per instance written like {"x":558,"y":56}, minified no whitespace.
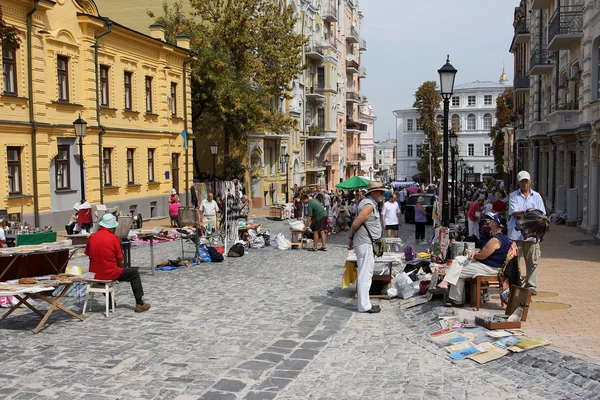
{"x":497,"y":325}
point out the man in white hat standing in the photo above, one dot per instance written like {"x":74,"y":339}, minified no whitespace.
{"x":520,"y":201}
{"x":365,"y":229}
{"x":106,"y":260}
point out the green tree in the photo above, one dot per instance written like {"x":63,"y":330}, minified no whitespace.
{"x":247,"y":54}
{"x":504,"y":115}
{"x":427,"y":103}
{"x":9,"y":35}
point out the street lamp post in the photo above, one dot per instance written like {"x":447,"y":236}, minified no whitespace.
{"x":327,"y":165}
{"x":447,"y":76}
{"x":214,"y":149}
{"x":453,"y":140}
{"x":286,"y":160}
{"x":455,"y":179}
{"x":426,"y":143}
{"x":371,"y":173}
{"x":462,"y":181}
{"x":80,"y":128}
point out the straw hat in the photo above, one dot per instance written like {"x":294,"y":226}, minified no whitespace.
{"x":375,"y":186}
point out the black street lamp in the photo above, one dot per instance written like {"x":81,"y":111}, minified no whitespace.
{"x":447,"y":75}
{"x":453,"y":140}
{"x":80,"y":128}
{"x":371,"y":173}
{"x":285,"y":159}
{"x":214,"y":149}
{"x":327,"y":165}
{"x":462,"y":181}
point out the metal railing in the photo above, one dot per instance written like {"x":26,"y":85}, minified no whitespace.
{"x":316,"y":48}
{"x":353,"y":33}
{"x":363,"y":72}
{"x":352,"y":96}
{"x":565,"y":20}
{"x":521,"y":82}
{"x":363,"y":44}
{"x":329,"y":9}
{"x":522,"y":26}
{"x":539,"y":56}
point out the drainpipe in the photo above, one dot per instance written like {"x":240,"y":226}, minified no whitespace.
{"x":32,"y":121}
{"x":539,"y":78}
{"x":185,"y":127}
{"x":102,"y":127}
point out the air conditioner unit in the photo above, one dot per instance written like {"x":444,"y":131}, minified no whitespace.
{"x":272,"y":186}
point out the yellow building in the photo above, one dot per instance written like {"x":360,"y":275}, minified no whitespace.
{"x":133,"y":154}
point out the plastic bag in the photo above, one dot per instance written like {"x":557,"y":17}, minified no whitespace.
{"x":202,"y":254}
{"x":297,"y":225}
{"x":406,"y":291}
{"x":283,"y":243}
{"x":257,"y":242}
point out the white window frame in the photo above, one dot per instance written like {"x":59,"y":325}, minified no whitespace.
{"x":487,"y":149}
{"x":472,"y":100}
{"x":410,"y":124}
{"x":409,"y":150}
{"x":471,"y":149}
{"x":485,"y":100}
{"x":457,"y":98}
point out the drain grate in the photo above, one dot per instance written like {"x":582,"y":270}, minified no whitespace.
{"x":548,"y":306}
{"x":541,"y":294}
{"x":584,"y":242}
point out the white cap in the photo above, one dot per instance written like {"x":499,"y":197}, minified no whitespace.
{"x":523,"y":175}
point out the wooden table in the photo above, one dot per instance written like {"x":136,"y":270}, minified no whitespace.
{"x":25,"y":292}
{"x":18,"y":262}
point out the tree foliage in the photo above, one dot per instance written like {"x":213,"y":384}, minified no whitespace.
{"x":9,"y":35}
{"x":504,"y":115}
{"x":247,"y":54}
{"x":427,"y":103}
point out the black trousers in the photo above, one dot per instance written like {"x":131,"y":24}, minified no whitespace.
{"x":420,"y":230}
{"x":133,"y":275}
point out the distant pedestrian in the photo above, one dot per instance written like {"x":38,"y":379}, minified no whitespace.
{"x":420,"y":220}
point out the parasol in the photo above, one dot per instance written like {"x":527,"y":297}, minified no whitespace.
{"x":356,"y":182}
{"x":412,"y":189}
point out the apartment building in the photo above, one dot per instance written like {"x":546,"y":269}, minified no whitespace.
{"x":133,"y":100}
{"x":385,"y":160}
{"x":472,"y":110}
{"x":556,"y":45}
{"x":368,"y":118}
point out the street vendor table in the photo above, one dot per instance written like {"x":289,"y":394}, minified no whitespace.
{"x":149,"y":236}
{"x":25,"y":239}
{"x":25,"y":292}
{"x":382,"y":264}
{"x":21,"y":262}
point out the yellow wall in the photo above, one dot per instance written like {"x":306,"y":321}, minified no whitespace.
{"x":122,"y":50}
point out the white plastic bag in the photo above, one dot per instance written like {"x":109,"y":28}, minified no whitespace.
{"x":405,"y":291}
{"x":283,"y":243}
{"x":296,"y":225}
{"x":393,"y":292}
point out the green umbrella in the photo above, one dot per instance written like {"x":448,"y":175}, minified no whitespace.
{"x":356,"y":182}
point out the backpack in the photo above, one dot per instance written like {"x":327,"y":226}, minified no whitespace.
{"x":237,"y":250}
{"x":409,"y":253}
{"x":215,"y":256}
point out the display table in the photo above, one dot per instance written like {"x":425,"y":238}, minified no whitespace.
{"x":22,"y":262}
{"x":382,"y":273}
{"x":25,"y":292}
{"x":149,"y":236}
{"x":27,"y":239}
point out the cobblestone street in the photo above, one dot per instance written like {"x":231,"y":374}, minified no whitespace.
{"x":272,"y":324}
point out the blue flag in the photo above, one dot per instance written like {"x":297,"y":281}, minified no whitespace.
{"x":184,"y":135}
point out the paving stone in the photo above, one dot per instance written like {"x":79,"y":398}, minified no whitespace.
{"x":275,"y":358}
{"x":273,"y":384}
{"x":288,"y":344}
{"x":260,"y":395}
{"x":304,"y":354}
{"x":228,"y":385}
{"x":218,"y":396}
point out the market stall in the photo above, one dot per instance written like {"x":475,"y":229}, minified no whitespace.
{"x":25,"y":261}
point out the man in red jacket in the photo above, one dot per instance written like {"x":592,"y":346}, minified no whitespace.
{"x":106,"y":260}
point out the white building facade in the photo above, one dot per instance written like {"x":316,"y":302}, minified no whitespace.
{"x":385,"y":160}
{"x":367,"y":118}
{"x":557,"y":104}
{"x":473,"y":109}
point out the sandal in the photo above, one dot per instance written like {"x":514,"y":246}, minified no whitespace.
{"x":312,"y":249}
{"x":323,"y":249}
{"x":438,"y":290}
{"x":452,"y":304}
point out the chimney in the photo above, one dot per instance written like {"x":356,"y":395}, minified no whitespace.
{"x":183,"y":41}
{"x":157,"y":31}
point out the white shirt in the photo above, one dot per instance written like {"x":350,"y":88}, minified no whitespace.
{"x":390,"y":213}
{"x":401,"y":195}
{"x":2,"y":236}
{"x":210,"y":208}
{"x":487,"y":208}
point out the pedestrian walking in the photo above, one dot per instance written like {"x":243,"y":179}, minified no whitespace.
{"x":402,"y":200}
{"x":392,"y":216}
{"x":420,"y":220}
{"x":474,"y":215}
{"x":366,"y":228}
{"x":520,"y":201}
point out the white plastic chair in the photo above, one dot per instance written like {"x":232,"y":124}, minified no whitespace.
{"x":100,"y":286}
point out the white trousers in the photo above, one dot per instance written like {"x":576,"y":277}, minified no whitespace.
{"x":366,"y":262}
{"x":474,"y":228}
{"x":462,"y":268}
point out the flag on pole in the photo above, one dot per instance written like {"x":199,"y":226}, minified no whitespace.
{"x":184,"y":135}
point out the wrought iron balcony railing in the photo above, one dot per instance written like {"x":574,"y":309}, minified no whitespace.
{"x":565,"y":20}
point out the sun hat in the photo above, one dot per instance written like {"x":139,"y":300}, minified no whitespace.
{"x":523,"y":175}
{"x":109,"y":221}
{"x":173,"y":191}
{"x":420,"y":199}
{"x":375,"y":186}
{"x":495,"y":217}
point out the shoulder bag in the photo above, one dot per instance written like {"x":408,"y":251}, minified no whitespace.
{"x":378,"y":245}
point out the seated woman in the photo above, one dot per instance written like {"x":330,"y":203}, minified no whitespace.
{"x":486,"y":261}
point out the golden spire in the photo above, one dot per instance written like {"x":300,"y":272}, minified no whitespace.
{"x":503,"y":77}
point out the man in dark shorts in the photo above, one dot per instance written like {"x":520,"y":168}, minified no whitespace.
{"x":317,"y":220}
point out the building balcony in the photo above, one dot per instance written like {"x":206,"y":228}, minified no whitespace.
{"x":314,"y":166}
{"x":312,"y":94}
{"x":354,"y":127}
{"x":353,"y":158}
{"x":565,"y":28}
{"x":539,"y":130}
{"x":522,"y":135}
{"x":363,"y":45}
{"x":352,"y":35}
{"x":521,"y":83}
{"x":564,"y":122}
{"x":352,"y":66}
{"x":540,"y":4}
{"x":363,"y":73}
{"x":315,"y":51}
{"x":539,"y":63}
{"x":329,"y":11}
{"x":316,"y":132}
{"x":352,"y":97}
{"x":522,"y":33}
{"x":352,"y":3}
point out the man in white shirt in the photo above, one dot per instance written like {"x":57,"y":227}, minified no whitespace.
{"x":210,"y":209}
{"x":391,"y":216}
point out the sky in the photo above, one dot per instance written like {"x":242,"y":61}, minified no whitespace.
{"x":407,"y":42}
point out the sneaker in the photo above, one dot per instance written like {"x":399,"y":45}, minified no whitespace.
{"x":139,"y":308}
{"x":374,"y":310}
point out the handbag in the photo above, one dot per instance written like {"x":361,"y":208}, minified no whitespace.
{"x":378,"y":245}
